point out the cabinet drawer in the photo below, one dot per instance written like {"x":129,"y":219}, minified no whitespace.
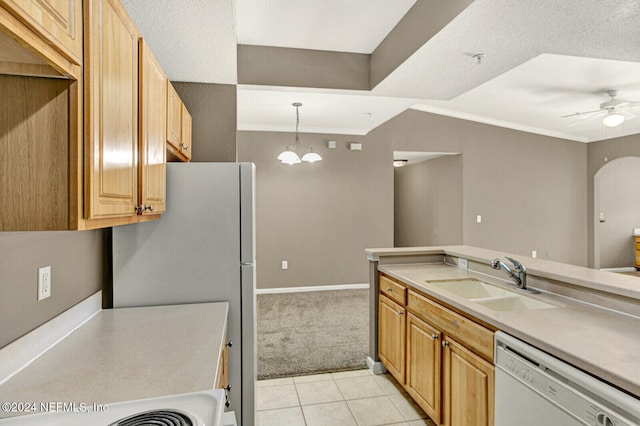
{"x":393,"y":290}
{"x":455,"y":325}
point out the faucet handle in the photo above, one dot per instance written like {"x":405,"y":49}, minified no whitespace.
{"x":519,"y":266}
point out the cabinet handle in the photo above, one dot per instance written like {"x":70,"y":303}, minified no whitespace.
{"x":228,"y":388}
{"x":389,"y":289}
{"x":434,"y":336}
{"x":230,"y":344}
{"x":445,"y":344}
{"x":150,"y":207}
{"x":141,"y":208}
{"x":400,"y":312}
{"x":186,"y":148}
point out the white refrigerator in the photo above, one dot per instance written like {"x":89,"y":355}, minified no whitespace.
{"x":201,"y":250}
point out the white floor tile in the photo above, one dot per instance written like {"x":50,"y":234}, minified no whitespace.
{"x":388,"y":384}
{"x":424,"y":422}
{"x":275,"y":382}
{"x":407,"y":407}
{"x":331,"y":414}
{"x":313,"y":378}
{"x":318,"y":392}
{"x":270,"y":397}
{"x":280,"y":417}
{"x":375,"y":411}
{"x":359,"y":387}
{"x":354,"y":373}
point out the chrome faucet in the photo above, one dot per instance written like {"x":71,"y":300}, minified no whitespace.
{"x":520,"y":275}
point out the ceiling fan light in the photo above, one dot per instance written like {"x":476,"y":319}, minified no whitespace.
{"x":613,"y":119}
{"x":311,"y":157}
{"x":400,"y":163}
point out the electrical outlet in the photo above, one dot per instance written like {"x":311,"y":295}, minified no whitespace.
{"x":534,"y":253}
{"x":44,"y":282}
{"x":463,"y":263}
{"x":285,"y":264}
{"x":478,"y":219}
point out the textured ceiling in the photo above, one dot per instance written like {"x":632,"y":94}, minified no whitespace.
{"x":194,"y":40}
{"x":339,"y":25}
{"x":526,"y":81}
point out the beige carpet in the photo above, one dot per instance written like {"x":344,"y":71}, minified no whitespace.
{"x":311,"y":333}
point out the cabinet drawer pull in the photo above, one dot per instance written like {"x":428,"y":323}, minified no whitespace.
{"x":228,"y":388}
{"x":400,"y":312}
{"x":230,"y":344}
{"x":186,"y":148}
{"x":434,"y":336}
{"x":141,"y":208}
{"x":389,"y":289}
{"x":445,"y":344}
{"x":150,"y":208}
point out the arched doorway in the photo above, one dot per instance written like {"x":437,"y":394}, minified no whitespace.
{"x":616,"y":212}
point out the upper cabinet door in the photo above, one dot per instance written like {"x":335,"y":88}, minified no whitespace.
{"x":58,"y":21}
{"x":111,"y":111}
{"x":174,"y":113}
{"x":185,"y":140}
{"x":153,"y":134}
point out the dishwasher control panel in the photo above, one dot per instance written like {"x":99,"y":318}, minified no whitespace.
{"x":577,"y":395}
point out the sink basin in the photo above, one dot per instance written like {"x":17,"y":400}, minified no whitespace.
{"x":490,"y":296}
{"x":513,"y":303}
{"x":470,"y":288}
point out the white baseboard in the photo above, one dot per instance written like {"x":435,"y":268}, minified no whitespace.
{"x":22,"y":352}
{"x":376,"y":367}
{"x":625,"y":269}
{"x":311,"y":288}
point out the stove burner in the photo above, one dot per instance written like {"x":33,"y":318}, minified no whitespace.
{"x":157,"y":418}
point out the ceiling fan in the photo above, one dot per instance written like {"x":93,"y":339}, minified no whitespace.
{"x":615,"y":111}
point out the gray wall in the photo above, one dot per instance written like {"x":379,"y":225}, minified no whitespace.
{"x":428,"y":203}
{"x":280,"y":66}
{"x":319,"y":217}
{"x":77,"y":272}
{"x":529,"y":189}
{"x":213,"y":110}
{"x":598,"y":154}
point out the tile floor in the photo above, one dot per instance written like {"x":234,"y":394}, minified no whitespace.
{"x":352,"y":398}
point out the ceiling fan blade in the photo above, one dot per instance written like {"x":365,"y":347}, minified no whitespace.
{"x":578,"y":114}
{"x":584,"y":118}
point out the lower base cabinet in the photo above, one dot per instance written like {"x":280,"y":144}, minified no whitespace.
{"x":442,"y":359}
{"x":468,"y":387}
{"x":424,"y":366}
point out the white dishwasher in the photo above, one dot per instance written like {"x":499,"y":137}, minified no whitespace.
{"x":535,"y":389}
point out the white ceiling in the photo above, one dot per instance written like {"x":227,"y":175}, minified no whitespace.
{"x":536,"y":66}
{"x":194,"y":40}
{"x":356,"y":26}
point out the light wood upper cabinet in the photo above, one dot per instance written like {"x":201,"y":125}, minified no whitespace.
{"x":391,"y":336}
{"x":468,"y":387}
{"x":178,"y":127}
{"x":57,"y":21}
{"x":153,"y":113}
{"x":424,"y":366}
{"x":174,"y":117}
{"x":185,"y":126}
{"x":111,"y":111}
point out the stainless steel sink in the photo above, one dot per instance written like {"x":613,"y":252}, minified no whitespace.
{"x":490,"y":296}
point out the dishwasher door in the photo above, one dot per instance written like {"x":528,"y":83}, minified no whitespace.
{"x":534,"y":388}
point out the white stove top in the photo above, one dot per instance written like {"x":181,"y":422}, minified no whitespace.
{"x":197,"y":409}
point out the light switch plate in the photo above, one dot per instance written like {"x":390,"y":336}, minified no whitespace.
{"x":463,"y":263}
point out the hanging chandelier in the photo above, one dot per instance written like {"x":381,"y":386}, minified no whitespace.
{"x":291,"y":155}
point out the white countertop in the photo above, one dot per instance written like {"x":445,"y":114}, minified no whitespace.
{"x":125,"y":354}
{"x":600,"y":341}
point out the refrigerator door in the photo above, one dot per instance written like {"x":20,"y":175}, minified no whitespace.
{"x":249,"y":356}
{"x":190,"y":255}
{"x":247,"y":213}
